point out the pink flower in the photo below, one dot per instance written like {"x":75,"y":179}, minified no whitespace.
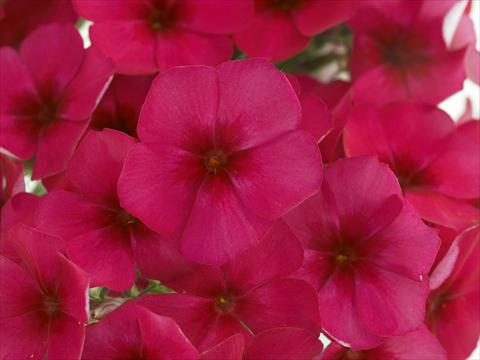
{"x":282,"y":28}
{"x":21,"y":17}
{"x":418,"y":344}
{"x":399,"y":52}
{"x":44,"y":300}
{"x":249,"y":294}
{"x":133,"y":332}
{"x":146,"y":36}
{"x":12,"y":182}
{"x":367,"y":253}
{"x":284,"y":343}
{"x":220,"y":157}
{"x":453,"y":306}
{"x":436,"y":163}
{"x":102,"y":237}
{"x":120,"y":105}
{"x":54,"y":85}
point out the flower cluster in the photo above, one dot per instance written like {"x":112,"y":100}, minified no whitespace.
{"x":199,"y":194}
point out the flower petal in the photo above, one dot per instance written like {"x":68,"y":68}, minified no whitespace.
{"x":274,"y":178}
{"x":278,"y":255}
{"x":130,"y":44}
{"x":314,"y":16}
{"x":96,"y":165}
{"x":87,"y":87}
{"x":41,"y":51}
{"x":230,"y":349}
{"x":56,"y":145}
{"x":194,"y":315}
{"x":162,"y":337}
{"x":342,"y":321}
{"x":271,"y":34}
{"x":65,"y":338}
{"x":170,"y":178}
{"x":389,"y":304}
{"x":180,"y":47}
{"x":284,"y":343}
{"x":180,"y":108}
{"x":220,"y":227}
{"x":257,"y":103}
{"x":271,"y":306}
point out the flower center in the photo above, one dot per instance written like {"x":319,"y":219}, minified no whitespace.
{"x":224,"y":303}
{"x":163,"y":17}
{"x":215,"y":161}
{"x":50,"y":305}
{"x":284,"y":5}
{"x":344,"y":256}
{"x":125,"y":219}
{"x":47,"y":113}
{"x":401,"y":52}
{"x":436,"y":303}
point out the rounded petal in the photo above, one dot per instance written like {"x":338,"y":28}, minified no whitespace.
{"x":231,"y":349}
{"x":17,"y":134}
{"x":389,"y":304}
{"x":181,"y":108}
{"x":69,"y":214}
{"x":451,"y":63}
{"x":271,"y":306}
{"x":39,"y":251}
{"x":23,"y":336}
{"x":216,"y":16}
{"x":130,"y":44}
{"x":315,"y":222}
{"x":278,"y":255}
{"x":19,"y":209}
{"x":274,"y":178}
{"x":406,"y":246}
{"x":87,"y":87}
{"x":363,"y":189}
{"x":455,"y":170}
{"x":180,"y":47}
{"x":106,"y":255}
{"x":271,"y":34}
{"x":158,"y":257}
{"x":443,"y":210}
{"x":116,"y":336}
{"x":56,"y":145}
{"x":418,"y":344}
{"x":194,"y":315}
{"x":219,"y":226}
{"x":316,"y":118}
{"x":162,"y":337}
{"x":120,"y":108}
{"x":284,"y":343}
{"x":170,"y":178}
{"x":73,"y":291}
{"x":316,"y":16}
{"x":342,"y":321}
{"x":11,"y":175}
{"x":65,"y":338}
{"x":19,"y":293}
{"x":257,"y":103}
{"x":118,"y":10}
{"x":97,"y":163}
{"x":41,"y":51}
